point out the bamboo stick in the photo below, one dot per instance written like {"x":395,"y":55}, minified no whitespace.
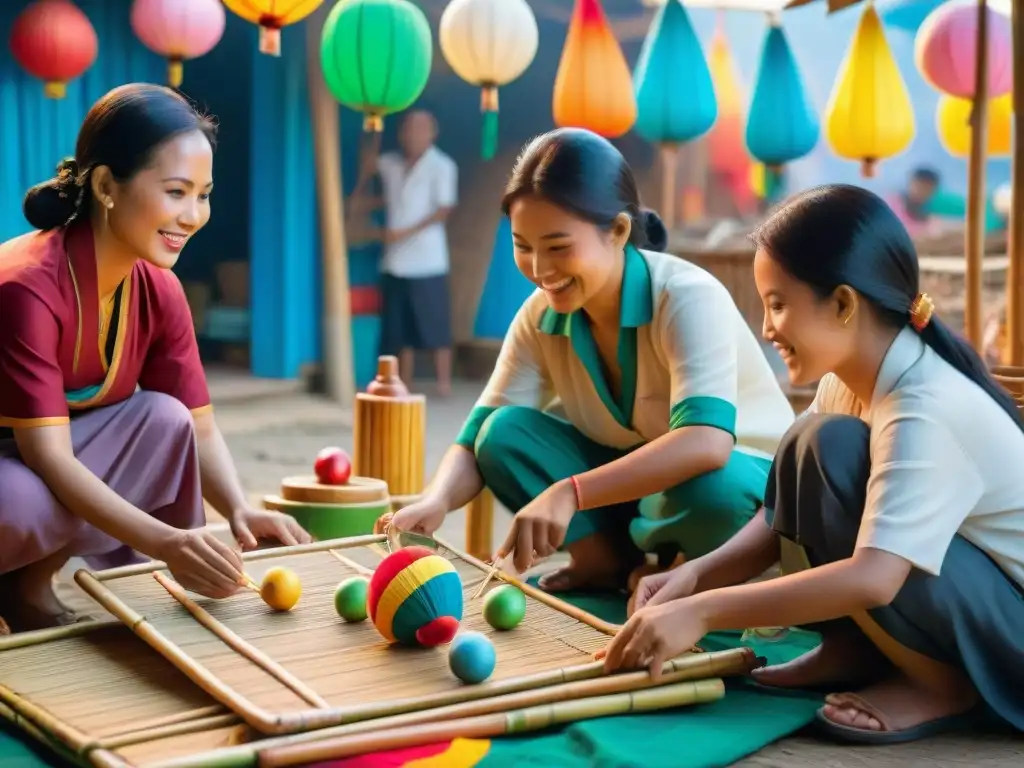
{"x":72,"y":738}
{"x":498,"y":724}
{"x":201,"y":713}
{"x":491,"y":573}
{"x":728,"y":663}
{"x":256,"y":717}
{"x":669,"y":182}
{"x":237,"y":644}
{"x":358,"y":568}
{"x":102,"y":758}
{"x":253,"y":556}
{"x":540,"y":595}
{"x":164,"y":731}
{"x":974,"y":234}
{"x":43,"y":636}
{"x":39,"y":735}
{"x":1015,"y":222}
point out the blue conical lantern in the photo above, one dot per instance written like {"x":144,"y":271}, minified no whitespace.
{"x":675,"y":96}
{"x":782,"y":125}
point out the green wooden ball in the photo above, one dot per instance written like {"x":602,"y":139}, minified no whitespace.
{"x":505,"y":607}
{"x":350,"y":598}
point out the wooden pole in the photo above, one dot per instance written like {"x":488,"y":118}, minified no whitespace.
{"x":974,"y":245}
{"x":669,"y":171}
{"x":1015,"y":225}
{"x":338,"y":364}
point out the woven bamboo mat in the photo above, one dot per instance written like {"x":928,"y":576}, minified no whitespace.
{"x":348,"y":667}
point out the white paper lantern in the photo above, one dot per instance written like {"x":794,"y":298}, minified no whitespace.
{"x":488,"y":43}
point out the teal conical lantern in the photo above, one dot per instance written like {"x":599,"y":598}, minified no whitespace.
{"x":505,"y":289}
{"x":376,"y":56}
{"x":675,"y":96}
{"x":782,"y":125}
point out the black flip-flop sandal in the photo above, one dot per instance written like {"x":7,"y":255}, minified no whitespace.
{"x":850,"y":735}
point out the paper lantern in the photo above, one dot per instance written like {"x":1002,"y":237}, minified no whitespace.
{"x":415,"y":598}
{"x":593,"y":86}
{"x":946,"y":45}
{"x":178,"y":30}
{"x":869,"y":116}
{"x":54,"y":41}
{"x":782,"y":125}
{"x":376,"y":56}
{"x":271,"y":16}
{"x":726,"y":147}
{"x":488,"y":43}
{"x":671,"y":108}
{"x":952,"y":120}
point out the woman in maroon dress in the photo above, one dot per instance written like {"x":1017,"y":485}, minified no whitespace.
{"x":108,"y":443}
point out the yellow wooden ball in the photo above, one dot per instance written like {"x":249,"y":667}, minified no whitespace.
{"x":280,"y":588}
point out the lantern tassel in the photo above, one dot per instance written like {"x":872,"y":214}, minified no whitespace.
{"x":489,"y":109}
{"x":270,"y":41}
{"x":175,"y":72}
{"x":489,"y":143}
{"x":55,"y":89}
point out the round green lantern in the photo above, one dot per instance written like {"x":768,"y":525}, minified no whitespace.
{"x":376,"y":56}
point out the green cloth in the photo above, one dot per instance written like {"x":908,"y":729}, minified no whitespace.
{"x":716,"y":734}
{"x":521,"y":452}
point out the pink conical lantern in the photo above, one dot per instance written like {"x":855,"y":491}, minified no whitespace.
{"x":178,"y":30}
{"x":945,"y":50}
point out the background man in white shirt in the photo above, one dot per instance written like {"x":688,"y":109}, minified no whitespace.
{"x":419,"y":187}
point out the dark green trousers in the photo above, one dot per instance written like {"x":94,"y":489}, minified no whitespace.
{"x":522,"y":451}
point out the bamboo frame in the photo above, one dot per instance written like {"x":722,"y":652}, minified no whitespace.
{"x":480,"y":525}
{"x":716,"y":665}
{"x":515,"y":722}
{"x":269,"y":723}
{"x":237,"y":644}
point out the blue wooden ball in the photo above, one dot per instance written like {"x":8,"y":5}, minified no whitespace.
{"x":471,"y":657}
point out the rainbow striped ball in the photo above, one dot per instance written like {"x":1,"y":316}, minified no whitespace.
{"x":415,"y":598}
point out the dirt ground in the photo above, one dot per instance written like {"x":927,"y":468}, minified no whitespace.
{"x":274,"y":436}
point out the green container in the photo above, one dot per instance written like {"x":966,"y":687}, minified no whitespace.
{"x":332,"y":521}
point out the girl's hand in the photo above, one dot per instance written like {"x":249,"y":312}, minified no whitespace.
{"x":250,"y":525}
{"x":660,"y":588}
{"x":202,"y":563}
{"x":423,"y":517}
{"x":652,"y":636}
{"x":540,"y":526}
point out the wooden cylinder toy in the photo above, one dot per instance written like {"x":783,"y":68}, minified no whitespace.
{"x":389,"y":431}
{"x":332,"y":511}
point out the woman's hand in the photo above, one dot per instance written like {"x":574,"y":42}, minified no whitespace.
{"x":653,"y":635}
{"x":202,"y":563}
{"x":660,"y":588}
{"x":540,"y":526}
{"x":423,"y":517}
{"x":250,"y":525}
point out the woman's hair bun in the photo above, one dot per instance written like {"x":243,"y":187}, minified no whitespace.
{"x":54,"y":202}
{"x":654,"y":231}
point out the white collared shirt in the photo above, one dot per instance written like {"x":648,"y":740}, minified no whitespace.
{"x":945,"y":459}
{"x":697,"y":362}
{"x":412,"y":194}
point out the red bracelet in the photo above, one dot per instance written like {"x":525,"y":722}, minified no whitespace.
{"x":579,"y":496}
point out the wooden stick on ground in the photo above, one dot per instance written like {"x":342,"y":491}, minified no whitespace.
{"x":487,"y":578}
{"x":362,"y":570}
{"x":498,"y":724}
{"x":239,"y":645}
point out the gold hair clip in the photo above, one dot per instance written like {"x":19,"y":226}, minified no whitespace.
{"x":921,"y":311}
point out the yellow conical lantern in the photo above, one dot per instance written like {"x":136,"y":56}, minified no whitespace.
{"x":869,"y":116}
{"x":952,"y":120}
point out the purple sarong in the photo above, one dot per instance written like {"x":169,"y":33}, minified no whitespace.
{"x":144,"y":449}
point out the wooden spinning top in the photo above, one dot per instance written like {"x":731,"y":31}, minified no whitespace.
{"x":387,"y":383}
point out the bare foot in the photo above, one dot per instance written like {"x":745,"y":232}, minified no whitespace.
{"x":574,"y":576}
{"x":844,"y":657}
{"x":31,"y":600}
{"x":897,"y":704}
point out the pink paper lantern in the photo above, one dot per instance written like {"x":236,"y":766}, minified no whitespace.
{"x":178,"y":30}
{"x":946,"y":44}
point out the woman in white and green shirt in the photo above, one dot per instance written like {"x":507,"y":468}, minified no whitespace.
{"x":631,"y":409}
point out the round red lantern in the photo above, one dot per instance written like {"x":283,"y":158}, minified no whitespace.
{"x":54,"y":41}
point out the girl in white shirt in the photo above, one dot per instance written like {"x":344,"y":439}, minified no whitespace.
{"x":901,"y":492}
{"x":632,"y":408}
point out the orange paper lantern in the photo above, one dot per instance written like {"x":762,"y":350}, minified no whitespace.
{"x":593,"y":87}
{"x":727,"y":143}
